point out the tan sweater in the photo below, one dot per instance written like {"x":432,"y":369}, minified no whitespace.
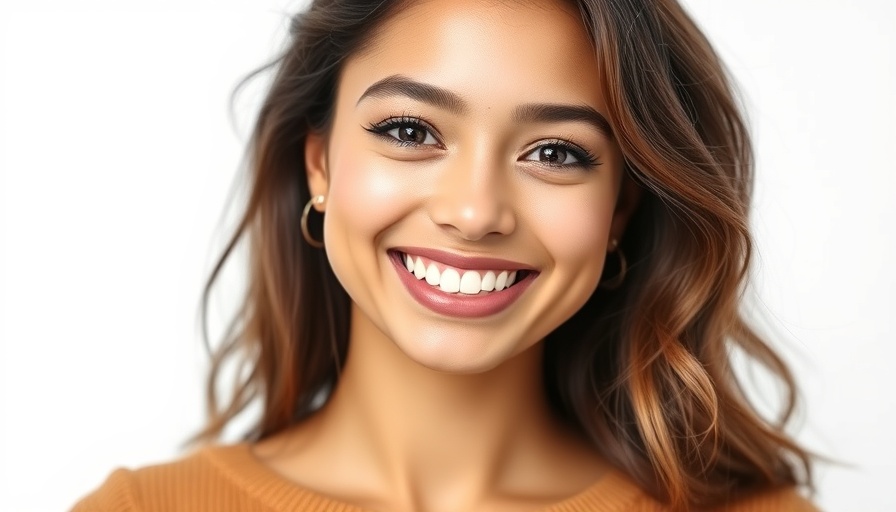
{"x":230,"y":478}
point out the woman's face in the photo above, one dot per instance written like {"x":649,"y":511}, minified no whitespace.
{"x":471,"y":138}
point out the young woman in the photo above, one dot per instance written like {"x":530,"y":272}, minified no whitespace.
{"x":497,"y":252}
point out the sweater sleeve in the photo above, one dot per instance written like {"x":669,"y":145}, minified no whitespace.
{"x":115,"y":495}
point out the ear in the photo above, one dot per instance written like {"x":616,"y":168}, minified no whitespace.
{"x":626,"y":204}
{"x":316,"y":167}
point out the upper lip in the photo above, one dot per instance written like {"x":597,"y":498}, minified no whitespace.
{"x":464,"y":262}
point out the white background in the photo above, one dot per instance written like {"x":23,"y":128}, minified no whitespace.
{"x":118,"y":154}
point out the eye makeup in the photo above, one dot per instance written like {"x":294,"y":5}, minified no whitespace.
{"x":557,"y":153}
{"x":413,"y":132}
{"x":409,"y":131}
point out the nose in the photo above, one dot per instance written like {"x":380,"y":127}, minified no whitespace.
{"x":473,"y":200}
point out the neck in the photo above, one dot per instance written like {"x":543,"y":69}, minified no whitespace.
{"x":435,"y":440}
{"x":420,"y":423}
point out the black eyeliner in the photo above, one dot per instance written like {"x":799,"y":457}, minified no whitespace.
{"x":390,"y":123}
{"x":586,"y":159}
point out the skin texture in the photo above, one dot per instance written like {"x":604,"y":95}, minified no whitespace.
{"x":434,"y":412}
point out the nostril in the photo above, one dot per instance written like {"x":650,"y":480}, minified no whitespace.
{"x":472,"y":216}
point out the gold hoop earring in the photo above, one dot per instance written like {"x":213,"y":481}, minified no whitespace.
{"x":616,"y":282}
{"x":304,"y":223}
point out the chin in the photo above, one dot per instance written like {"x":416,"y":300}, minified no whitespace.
{"x":446,"y":354}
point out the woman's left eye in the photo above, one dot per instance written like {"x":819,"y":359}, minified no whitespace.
{"x":558,"y":155}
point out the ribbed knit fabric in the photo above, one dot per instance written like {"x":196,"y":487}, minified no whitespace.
{"x":231,"y":478}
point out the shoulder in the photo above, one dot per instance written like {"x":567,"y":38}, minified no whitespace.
{"x":780,"y":499}
{"x":768,"y":501}
{"x":618,"y":491}
{"x":114,"y":494}
{"x":184,"y":484}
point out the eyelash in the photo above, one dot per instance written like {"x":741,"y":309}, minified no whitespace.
{"x":585,"y":159}
{"x":383,"y":128}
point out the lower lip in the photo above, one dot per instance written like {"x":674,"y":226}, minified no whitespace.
{"x":459,"y":304}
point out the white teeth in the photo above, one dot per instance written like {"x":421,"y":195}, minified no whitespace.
{"x":501,"y":281}
{"x":419,"y":269}
{"x":470,"y":283}
{"x":488,"y":281}
{"x":432,"y":274}
{"x":449,"y":281}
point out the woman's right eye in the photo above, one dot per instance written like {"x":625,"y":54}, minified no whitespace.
{"x":412,"y":134}
{"x":405,"y":132}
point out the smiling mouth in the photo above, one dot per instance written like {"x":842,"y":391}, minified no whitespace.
{"x":453,"y":280}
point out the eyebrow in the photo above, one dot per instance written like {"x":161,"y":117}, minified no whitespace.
{"x":550,"y":112}
{"x":399,"y":85}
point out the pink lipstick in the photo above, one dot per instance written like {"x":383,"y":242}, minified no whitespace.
{"x":429,"y":293}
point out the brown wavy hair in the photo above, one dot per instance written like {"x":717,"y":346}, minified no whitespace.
{"x":643,"y":370}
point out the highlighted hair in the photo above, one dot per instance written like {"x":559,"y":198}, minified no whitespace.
{"x":643,"y":370}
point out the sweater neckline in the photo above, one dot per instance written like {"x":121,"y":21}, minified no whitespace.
{"x":613,"y":492}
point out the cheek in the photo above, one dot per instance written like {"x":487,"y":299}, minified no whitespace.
{"x":365,"y":195}
{"x":574,"y":225}
{"x":363,"y":200}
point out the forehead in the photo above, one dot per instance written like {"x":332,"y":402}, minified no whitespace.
{"x":486,"y":50}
